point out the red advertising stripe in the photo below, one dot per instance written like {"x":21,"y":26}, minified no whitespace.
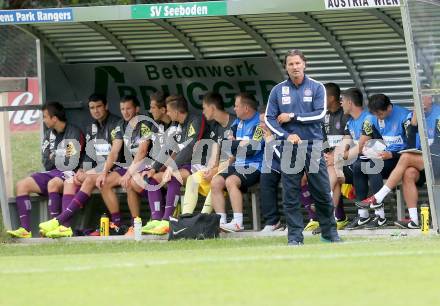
{"x":25,"y":120}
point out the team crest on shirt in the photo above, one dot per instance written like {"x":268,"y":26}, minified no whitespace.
{"x":70,"y":149}
{"x":285,"y":100}
{"x":212,"y":134}
{"x":113,"y":132}
{"x":178,"y":137}
{"x":308,"y":95}
{"x":258,"y":134}
{"x":285,"y":90}
{"x":145,"y":130}
{"x":368,"y":128}
{"x":45,"y":145}
{"x":94,"y":129}
{"x":191,"y":130}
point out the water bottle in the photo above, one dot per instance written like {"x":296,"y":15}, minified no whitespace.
{"x":104,"y":225}
{"x":424,"y":213}
{"x":137,"y":229}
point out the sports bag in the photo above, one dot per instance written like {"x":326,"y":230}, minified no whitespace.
{"x":189,"y":226}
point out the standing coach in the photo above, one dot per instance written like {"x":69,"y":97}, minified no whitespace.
{"x":295,"y":112}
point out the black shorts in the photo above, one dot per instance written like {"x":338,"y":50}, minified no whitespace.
{"x":422,"y":179}
{"x":348,"y":173}
{"x":247,"y":180}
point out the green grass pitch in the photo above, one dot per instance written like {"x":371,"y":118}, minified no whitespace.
{"x":264,"y":271}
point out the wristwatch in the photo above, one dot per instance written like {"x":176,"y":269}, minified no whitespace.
{"x":291,"y":115}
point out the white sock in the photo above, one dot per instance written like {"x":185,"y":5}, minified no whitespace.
{"x":363,"y":213}
{"x":382,"y":193}
{"x":238,"y":217}
{"x":380,"y":212}
{"x":222,"y":217}
{"x":414,"y":216}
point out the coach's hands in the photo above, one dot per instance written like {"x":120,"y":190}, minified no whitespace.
{"x":294,"y":139}
{"x":283,"y":118}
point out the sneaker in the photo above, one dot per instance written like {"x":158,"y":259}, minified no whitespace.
{"x":316,"y":231}
{"x":358,"y":223}
{"x":130,"y":232}
{"x":336,"y":239}
{"x":406,"y":224}
{"x":294,"y":243}
{"x":232,"y":227}
{"x":341,"y":224}
{"x":94,"y":233}
{"x":48,"y":226}
{"x":59,"y":232}
{"x":376,"y":223}
{"x":273,"y":228}
{"x":149,"y":226}
{"x":311,"y":225}
{"x":369,"y":202}
{"x":20,"y":232}
{"x":115,"y":230}
{"x":162,"y":228}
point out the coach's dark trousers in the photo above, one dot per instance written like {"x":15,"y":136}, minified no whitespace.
{"x":319,"y":186}
{"x":269,"y":196}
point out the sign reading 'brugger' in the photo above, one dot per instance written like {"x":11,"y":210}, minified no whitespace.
{"x":350,"y":4}
{"x":32,"y":16}
{"x":173,"y":10}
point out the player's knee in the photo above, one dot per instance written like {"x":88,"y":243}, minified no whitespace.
{"x":231,"y":182}
{"x":55,"y":185}
{"x":404,"y":158}
{"x":217,"y":183}
{"x":135,"y":185}
{"x":410,"y":175}
{"x":22,"y":186}
{"x":89,"y":182}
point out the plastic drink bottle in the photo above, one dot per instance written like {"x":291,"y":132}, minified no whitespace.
{"x":104,"y":225}
{"x":424,"y":212}
{"x":137,"y":229}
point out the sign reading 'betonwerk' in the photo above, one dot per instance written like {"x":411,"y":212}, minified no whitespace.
{"x":175,"y":10}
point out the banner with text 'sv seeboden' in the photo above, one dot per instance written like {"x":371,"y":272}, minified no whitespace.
{"x":36,"y":16}
{"x":173,"y":10}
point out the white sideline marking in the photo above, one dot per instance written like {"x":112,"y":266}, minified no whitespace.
{"x":217,"y":260}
